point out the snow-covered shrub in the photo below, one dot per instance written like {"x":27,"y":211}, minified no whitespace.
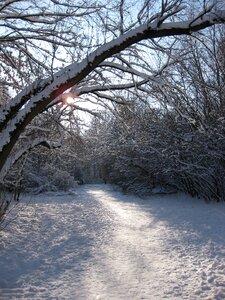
{"x":62,"y":180}
{"x":48,"y":179}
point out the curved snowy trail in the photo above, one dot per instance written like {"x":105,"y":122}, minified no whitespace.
{"x":100,"y":244}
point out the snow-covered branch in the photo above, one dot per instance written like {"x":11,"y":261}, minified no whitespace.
{"x":111,"y":87}
{"x":21,"y":152}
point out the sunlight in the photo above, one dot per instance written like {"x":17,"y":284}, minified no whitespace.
{"x":69,"y":100}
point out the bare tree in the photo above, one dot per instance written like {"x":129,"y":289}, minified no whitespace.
{"x":124,"y":43}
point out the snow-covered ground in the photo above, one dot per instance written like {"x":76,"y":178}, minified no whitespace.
{"x":100,"y":244}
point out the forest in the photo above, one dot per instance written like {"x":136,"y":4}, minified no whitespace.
{"x":130,"y":93}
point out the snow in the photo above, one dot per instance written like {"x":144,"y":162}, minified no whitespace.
{"x":97,"y":243}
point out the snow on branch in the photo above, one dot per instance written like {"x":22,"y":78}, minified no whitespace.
{"x":12,"y":107}
{"x":110,"y":87}
{"x":14,"y":158}
{"x":120,"y":67}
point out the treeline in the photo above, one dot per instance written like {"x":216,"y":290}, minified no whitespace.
{"x":147,"y":149}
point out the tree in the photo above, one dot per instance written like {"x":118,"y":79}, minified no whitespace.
{"x":82,"y":76}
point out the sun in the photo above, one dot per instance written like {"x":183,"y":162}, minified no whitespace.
{"x":69,"y":100}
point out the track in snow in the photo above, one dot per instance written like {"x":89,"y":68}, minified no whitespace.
{"x":100,"y":244}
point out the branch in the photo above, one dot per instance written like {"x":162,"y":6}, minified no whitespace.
{"x":110,"y":87}
{"x":13,"y":159}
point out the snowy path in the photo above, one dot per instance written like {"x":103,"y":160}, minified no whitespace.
{"x":100,"y":244}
